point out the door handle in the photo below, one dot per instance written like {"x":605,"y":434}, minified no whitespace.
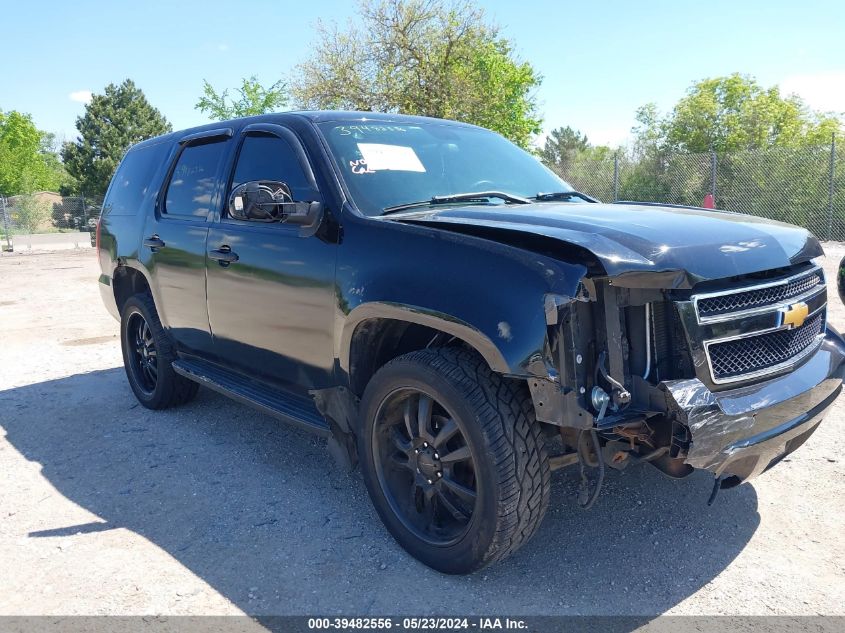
{"x":154,"y":242}
{"x":223,"y":255}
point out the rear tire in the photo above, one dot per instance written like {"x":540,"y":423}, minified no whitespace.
{"x":147,"y":357}
{"x":453,"y":459}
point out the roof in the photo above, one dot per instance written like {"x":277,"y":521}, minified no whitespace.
{"x":320,"y":116}
{"x":317,"y":116}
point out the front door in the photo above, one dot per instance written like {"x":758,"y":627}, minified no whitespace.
{"x":174,"y":244}
{"x":271,"y":310}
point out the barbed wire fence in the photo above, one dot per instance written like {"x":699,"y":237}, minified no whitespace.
{"x":803,"y":186}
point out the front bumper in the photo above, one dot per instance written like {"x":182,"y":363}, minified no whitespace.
{"x":738,"y":434}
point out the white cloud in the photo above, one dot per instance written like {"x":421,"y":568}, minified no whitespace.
{"x":80,"y":96}
{"x":823,"y":91}
{"x":222,"y":47}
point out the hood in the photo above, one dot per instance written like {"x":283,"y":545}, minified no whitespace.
{"x":688,"y":244}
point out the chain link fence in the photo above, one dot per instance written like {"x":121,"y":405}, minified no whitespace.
{"x":47,"y":212}
{"x":803,"y":186}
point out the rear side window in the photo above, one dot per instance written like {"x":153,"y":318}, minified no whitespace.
{"x":195,"y":179}
{"x":134,"y":179}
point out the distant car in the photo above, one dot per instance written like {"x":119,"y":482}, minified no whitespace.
{"x":447,"y":312}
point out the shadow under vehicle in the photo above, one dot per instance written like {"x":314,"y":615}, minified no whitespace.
{"x":252,"y":509}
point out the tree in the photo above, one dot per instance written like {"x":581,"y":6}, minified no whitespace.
{"x":438,"y":58}
{"x":32,"y":213}
{"x":112,"y":122}
{"x":562,"y":145}
{"x":254,"y":99}
{"x":28,"y":161}
{"x":733,"y":113}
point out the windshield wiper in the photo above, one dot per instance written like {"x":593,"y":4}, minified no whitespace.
{"x":476,"y":196}
{"x":563,"y":195}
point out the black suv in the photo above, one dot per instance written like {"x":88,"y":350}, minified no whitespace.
{"x":457,"y":320}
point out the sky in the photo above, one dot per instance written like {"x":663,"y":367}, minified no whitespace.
{"x":600,"y":60}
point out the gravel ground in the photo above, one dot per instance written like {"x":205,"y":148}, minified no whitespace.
{"x":107,"y":508}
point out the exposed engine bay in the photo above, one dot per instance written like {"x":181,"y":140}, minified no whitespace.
{"x":704,"y":377}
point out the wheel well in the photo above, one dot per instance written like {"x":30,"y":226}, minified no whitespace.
{"x":378,"y":341}
{"x":126,"y":283}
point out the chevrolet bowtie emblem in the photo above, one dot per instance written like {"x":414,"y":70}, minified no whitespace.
{"x":795,"y":315}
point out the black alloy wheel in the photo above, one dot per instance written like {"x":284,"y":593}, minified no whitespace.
{"x":144,"y":357}
{"x":148,"y":355}
{"x":453,"y":458}
{"x":425,"y":466}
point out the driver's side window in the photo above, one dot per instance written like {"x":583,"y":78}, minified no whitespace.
{"x":265,"y":157}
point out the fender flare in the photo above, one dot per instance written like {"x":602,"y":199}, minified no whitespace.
{"x":421,"y":316}
{"x":123,"y":266}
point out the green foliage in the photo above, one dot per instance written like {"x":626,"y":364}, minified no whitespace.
{"x":562,"y":146}
{"x":786,"y":183}
{"x":568,"y":151}
{"x":437,"y":58}
{"x":590,"y":174}
{"x":31,"y":213}
{"x":112,"y":122}
{"x":729,"y":114}
{"x":495,"y":92}
{"x":254,"y":99}
{"x":28,"y":161}
{"x":770,"y":151}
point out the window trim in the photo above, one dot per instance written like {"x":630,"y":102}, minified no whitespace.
{"x":222,"y":134}
{"x":209,"y":137}
{"x":286,"y":134}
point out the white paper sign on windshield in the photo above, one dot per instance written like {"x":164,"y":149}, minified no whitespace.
{"x":380,"y":157}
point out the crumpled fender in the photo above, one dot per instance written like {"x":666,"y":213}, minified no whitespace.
{"x":491,"y":295}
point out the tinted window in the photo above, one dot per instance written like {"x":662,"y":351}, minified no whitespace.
{"x":133,"y":179}
{"x":194,"y":180}
{"x":265,"y":157}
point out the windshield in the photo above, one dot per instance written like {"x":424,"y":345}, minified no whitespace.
{"x":390,"y":164}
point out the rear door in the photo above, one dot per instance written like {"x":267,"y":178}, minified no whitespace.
{"x":174,"y":244}
{"x":272,"y":310}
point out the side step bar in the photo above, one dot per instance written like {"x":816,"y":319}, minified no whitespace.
{"x":289,"y":408}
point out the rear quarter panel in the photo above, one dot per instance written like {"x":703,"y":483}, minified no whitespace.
{"x":122,"y":225}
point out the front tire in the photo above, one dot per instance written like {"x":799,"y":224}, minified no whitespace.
{"x":453,"y":459}
{"x":147,"y":357}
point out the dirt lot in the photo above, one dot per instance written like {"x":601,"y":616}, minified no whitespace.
{"x":107,"y":508}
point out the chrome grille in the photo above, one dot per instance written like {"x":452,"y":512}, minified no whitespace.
{"x":764,"y":352}
{"x":777,"y":292}
{"x":747,"y":332}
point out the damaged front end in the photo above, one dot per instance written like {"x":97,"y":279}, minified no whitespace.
{"x":694,"y":339}
{"x":725,"y":375}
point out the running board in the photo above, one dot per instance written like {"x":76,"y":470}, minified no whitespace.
{"x":289,"y":408}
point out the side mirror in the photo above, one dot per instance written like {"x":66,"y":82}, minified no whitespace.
{"x":271,"y":201}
